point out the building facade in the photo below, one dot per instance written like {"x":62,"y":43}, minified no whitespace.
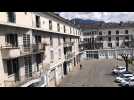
{"x":102,"y":41}
{"x":36,"y":47}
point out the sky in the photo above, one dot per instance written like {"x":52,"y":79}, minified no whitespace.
{"x":100,"y":16}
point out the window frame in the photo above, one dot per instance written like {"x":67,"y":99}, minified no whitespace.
{"x":50,"y":25}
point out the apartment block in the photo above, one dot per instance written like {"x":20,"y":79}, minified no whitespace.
{"x":36,"y":47}
{"x":107,"y":40}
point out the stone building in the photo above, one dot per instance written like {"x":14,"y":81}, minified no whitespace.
{"x":36,"y":47}
{"x":102,"y":40}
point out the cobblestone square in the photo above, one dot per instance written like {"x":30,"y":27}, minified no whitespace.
{"x":94,"y":73}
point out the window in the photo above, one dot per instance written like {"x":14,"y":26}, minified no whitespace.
{"x":50,"y":24}
{"x":12,"y":17}
{"x":73,"y":31}
{"x":58,"y":27}
{"x":94,"y":32}
{"x":64,"y":29}
{"x":126,"y":38}
{"x":26,"y":42}
{"x":12,"y":66}
{"x":37,"y":39}
{"x":109,"y":38}
{"x":117,"y":38}
{"x":88,"y":39}
{"x":101,"y":39}
{"x":109,"y":32}
{"x":126,"y":44}
{"x":117,"y":32}
{"x":28,"y":66}
{"x":38,"y":60}
{"x":109,"y":44}
{"x":59,"y":42}
{"x":117,"y":44}
{"x":84,"y":39}
{"x":100,"y":33}
{"x":12,"y":40}
{"x":37,"y":18}
{"x":59,"y":53}
{"x":126,"y":31}
{"x":70,"y":30}
{"x":51,"y":41}
{"x":52,"y":55}
{"x":9,"y":67}
{"x":70,"y":39}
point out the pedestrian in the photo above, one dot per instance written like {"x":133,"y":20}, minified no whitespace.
{"x":80,"y":66}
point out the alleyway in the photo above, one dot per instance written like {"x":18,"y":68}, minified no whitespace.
{"x":95,"y":73}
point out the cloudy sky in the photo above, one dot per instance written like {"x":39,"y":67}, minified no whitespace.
{"x":100,"y":16}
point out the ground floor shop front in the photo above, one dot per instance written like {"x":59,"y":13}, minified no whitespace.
{"x":106,"y":53}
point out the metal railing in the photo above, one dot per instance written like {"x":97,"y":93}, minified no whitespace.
{"x":13,"y":83}
{"x":66,"y":44}
{"x":32,"y":48}
{"x":106,"y":35}
{"x":26,"y":49}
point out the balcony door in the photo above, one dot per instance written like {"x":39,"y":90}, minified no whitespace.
{"x":28,"y":66}
{"x":37,"y":39}
{"x":26,"y":42}
{"x":13,"y":68}
{"x":12,"y":40}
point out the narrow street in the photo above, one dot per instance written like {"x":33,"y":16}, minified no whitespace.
{"x":94,"y":73}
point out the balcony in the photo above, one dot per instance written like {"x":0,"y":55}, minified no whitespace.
{"x":67,"y":44}
{"x":127,"y":40}
{"x":83,"y":43}
{"x":14,"y":52}
{"x":25,"y":82}
{"x":10,"y":52}
{"x":113,"y":35}
{"x":99,"y":41}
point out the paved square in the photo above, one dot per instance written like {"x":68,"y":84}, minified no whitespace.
{"x":94,"y":73}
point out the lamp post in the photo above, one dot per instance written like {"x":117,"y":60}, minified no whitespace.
{"x":125,"y":57}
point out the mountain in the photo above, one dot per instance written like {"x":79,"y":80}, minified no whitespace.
{"x":82,"y":21}
{"x":85,"y":21}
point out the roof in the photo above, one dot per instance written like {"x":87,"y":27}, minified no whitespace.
{"x":107,"y":25}
{"x":62,"y":19}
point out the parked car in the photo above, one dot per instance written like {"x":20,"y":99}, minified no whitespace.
{"x":128,"y":83}
{"x":126,"y":72}
{"x":122,"y":77}
{"x":119,"y":70}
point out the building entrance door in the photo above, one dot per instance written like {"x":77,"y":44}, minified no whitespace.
{"x":65,"y":68}
{"x":28,"y":66}
{"x":16,"y":69}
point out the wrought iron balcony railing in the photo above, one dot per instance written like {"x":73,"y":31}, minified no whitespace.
{"x":9,"y":51}
{"x":36,"y":76}
{"x":66,"y":44}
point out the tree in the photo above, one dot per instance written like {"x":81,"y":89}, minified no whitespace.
{"x":125,"y":57}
